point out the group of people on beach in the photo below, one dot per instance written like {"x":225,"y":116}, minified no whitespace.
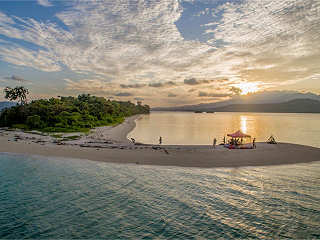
{"x":234,"y":141}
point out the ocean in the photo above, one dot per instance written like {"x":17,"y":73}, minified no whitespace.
{"x":45,"y":197}
{"x":188,"y":128}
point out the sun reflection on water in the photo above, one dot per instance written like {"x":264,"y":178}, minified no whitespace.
{"x":243,"y":123}
{"x":200,"y":129}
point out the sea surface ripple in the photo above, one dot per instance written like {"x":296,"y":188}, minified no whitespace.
{"x":70,"y":198}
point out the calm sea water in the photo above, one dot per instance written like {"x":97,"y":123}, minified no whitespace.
{"x":59,"y":198}
{"x":194,"y":128}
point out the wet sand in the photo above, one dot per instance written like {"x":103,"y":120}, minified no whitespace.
{"x":109,"y":144}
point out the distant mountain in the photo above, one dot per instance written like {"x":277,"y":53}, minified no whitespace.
{"x":4,"y":105}
{"x":267,"y":97}
{"x":272,"y":97}
{"x":293,"y":106}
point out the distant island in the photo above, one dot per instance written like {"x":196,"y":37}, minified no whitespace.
{"x":68,"y":114}
{"x":4,"y":105}
{"x":293,"y":106}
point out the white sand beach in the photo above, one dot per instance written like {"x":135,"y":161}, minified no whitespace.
{"x":109,"y":144}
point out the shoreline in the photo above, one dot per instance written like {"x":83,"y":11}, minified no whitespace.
{"x":110,"y":144}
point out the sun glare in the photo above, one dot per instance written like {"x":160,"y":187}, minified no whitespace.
{"x":247,"y":88}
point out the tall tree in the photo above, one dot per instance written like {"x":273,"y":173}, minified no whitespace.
{"x":18,"y":92}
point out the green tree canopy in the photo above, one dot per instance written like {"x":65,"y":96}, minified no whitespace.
{"x":19,"y":92}
{"x":67,"y":114}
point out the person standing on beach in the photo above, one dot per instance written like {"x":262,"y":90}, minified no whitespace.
{"x":214,"y":142}
{"x":160,"y":140}
{"x":254,"y":143}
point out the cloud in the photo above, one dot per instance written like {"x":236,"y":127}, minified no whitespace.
{"x":214,"y":95}
{"x":123,"y":94}
{"x":153,"y":85}
{"x":170,"y":83}
{"x":108,"y":38}
{"x":191,"y":81}
{"x":45,"y":3}
{"x":156,"y":85}
{"x":162,"y":84}
{"x":172,"y":95}
{"x":132,"y":85}
{"x":138,"y":99}
{"x":4,"y":19}
{"x":235,"y":90}
{"x":16,"y":78}
{"x":90,"y":86}
{"x":36,"y":59}
{"x":138,"y":45}
{"x":270,"y":37}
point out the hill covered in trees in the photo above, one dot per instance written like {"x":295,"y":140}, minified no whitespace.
{"x":293,"y":106}
{"x":69,"y":114}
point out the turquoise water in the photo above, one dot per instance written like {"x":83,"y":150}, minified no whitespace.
{"x":68,"y":198}
{"x":200,"y":129}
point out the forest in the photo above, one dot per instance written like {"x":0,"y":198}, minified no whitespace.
{"x":69,"y":114}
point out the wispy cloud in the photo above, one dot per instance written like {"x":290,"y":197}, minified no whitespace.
{"x":172,"y":95}
{"x":235,"y":90}
{"x":214,"y":95}
{"x":123,"y":94}
{"x":193,"y":81}
{"x":16,"y":78}
{"x":138,"y":98}
{"x":133,"y":85}
{"x":89,"y":86}
{"x":45,"y":3}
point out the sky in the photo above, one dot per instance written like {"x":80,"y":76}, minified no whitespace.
{"x":161,"y":52}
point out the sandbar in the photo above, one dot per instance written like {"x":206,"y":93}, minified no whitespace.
{"x":109,"y":144}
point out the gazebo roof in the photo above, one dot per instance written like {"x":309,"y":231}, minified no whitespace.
{"x":238,"y":134}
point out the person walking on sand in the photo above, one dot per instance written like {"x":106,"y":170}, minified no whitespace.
{"x":160,"y":140}
{"x":254,"y":143}
{"x":214,"y":142}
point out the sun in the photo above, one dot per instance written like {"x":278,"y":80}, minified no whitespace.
{"x":247,"y":88}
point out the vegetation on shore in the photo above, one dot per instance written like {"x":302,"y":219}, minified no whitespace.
{"x":69,"y":114}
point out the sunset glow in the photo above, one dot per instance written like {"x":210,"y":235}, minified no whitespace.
{"x":163,"y":53}
{"x":247,"y":88}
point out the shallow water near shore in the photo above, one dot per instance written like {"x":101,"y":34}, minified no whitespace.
{"x":188,"y":128}
{"x":70,"y":198}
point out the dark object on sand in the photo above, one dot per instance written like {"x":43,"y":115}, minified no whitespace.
{"x":165,"y":150}
{"x":271,"y":140}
